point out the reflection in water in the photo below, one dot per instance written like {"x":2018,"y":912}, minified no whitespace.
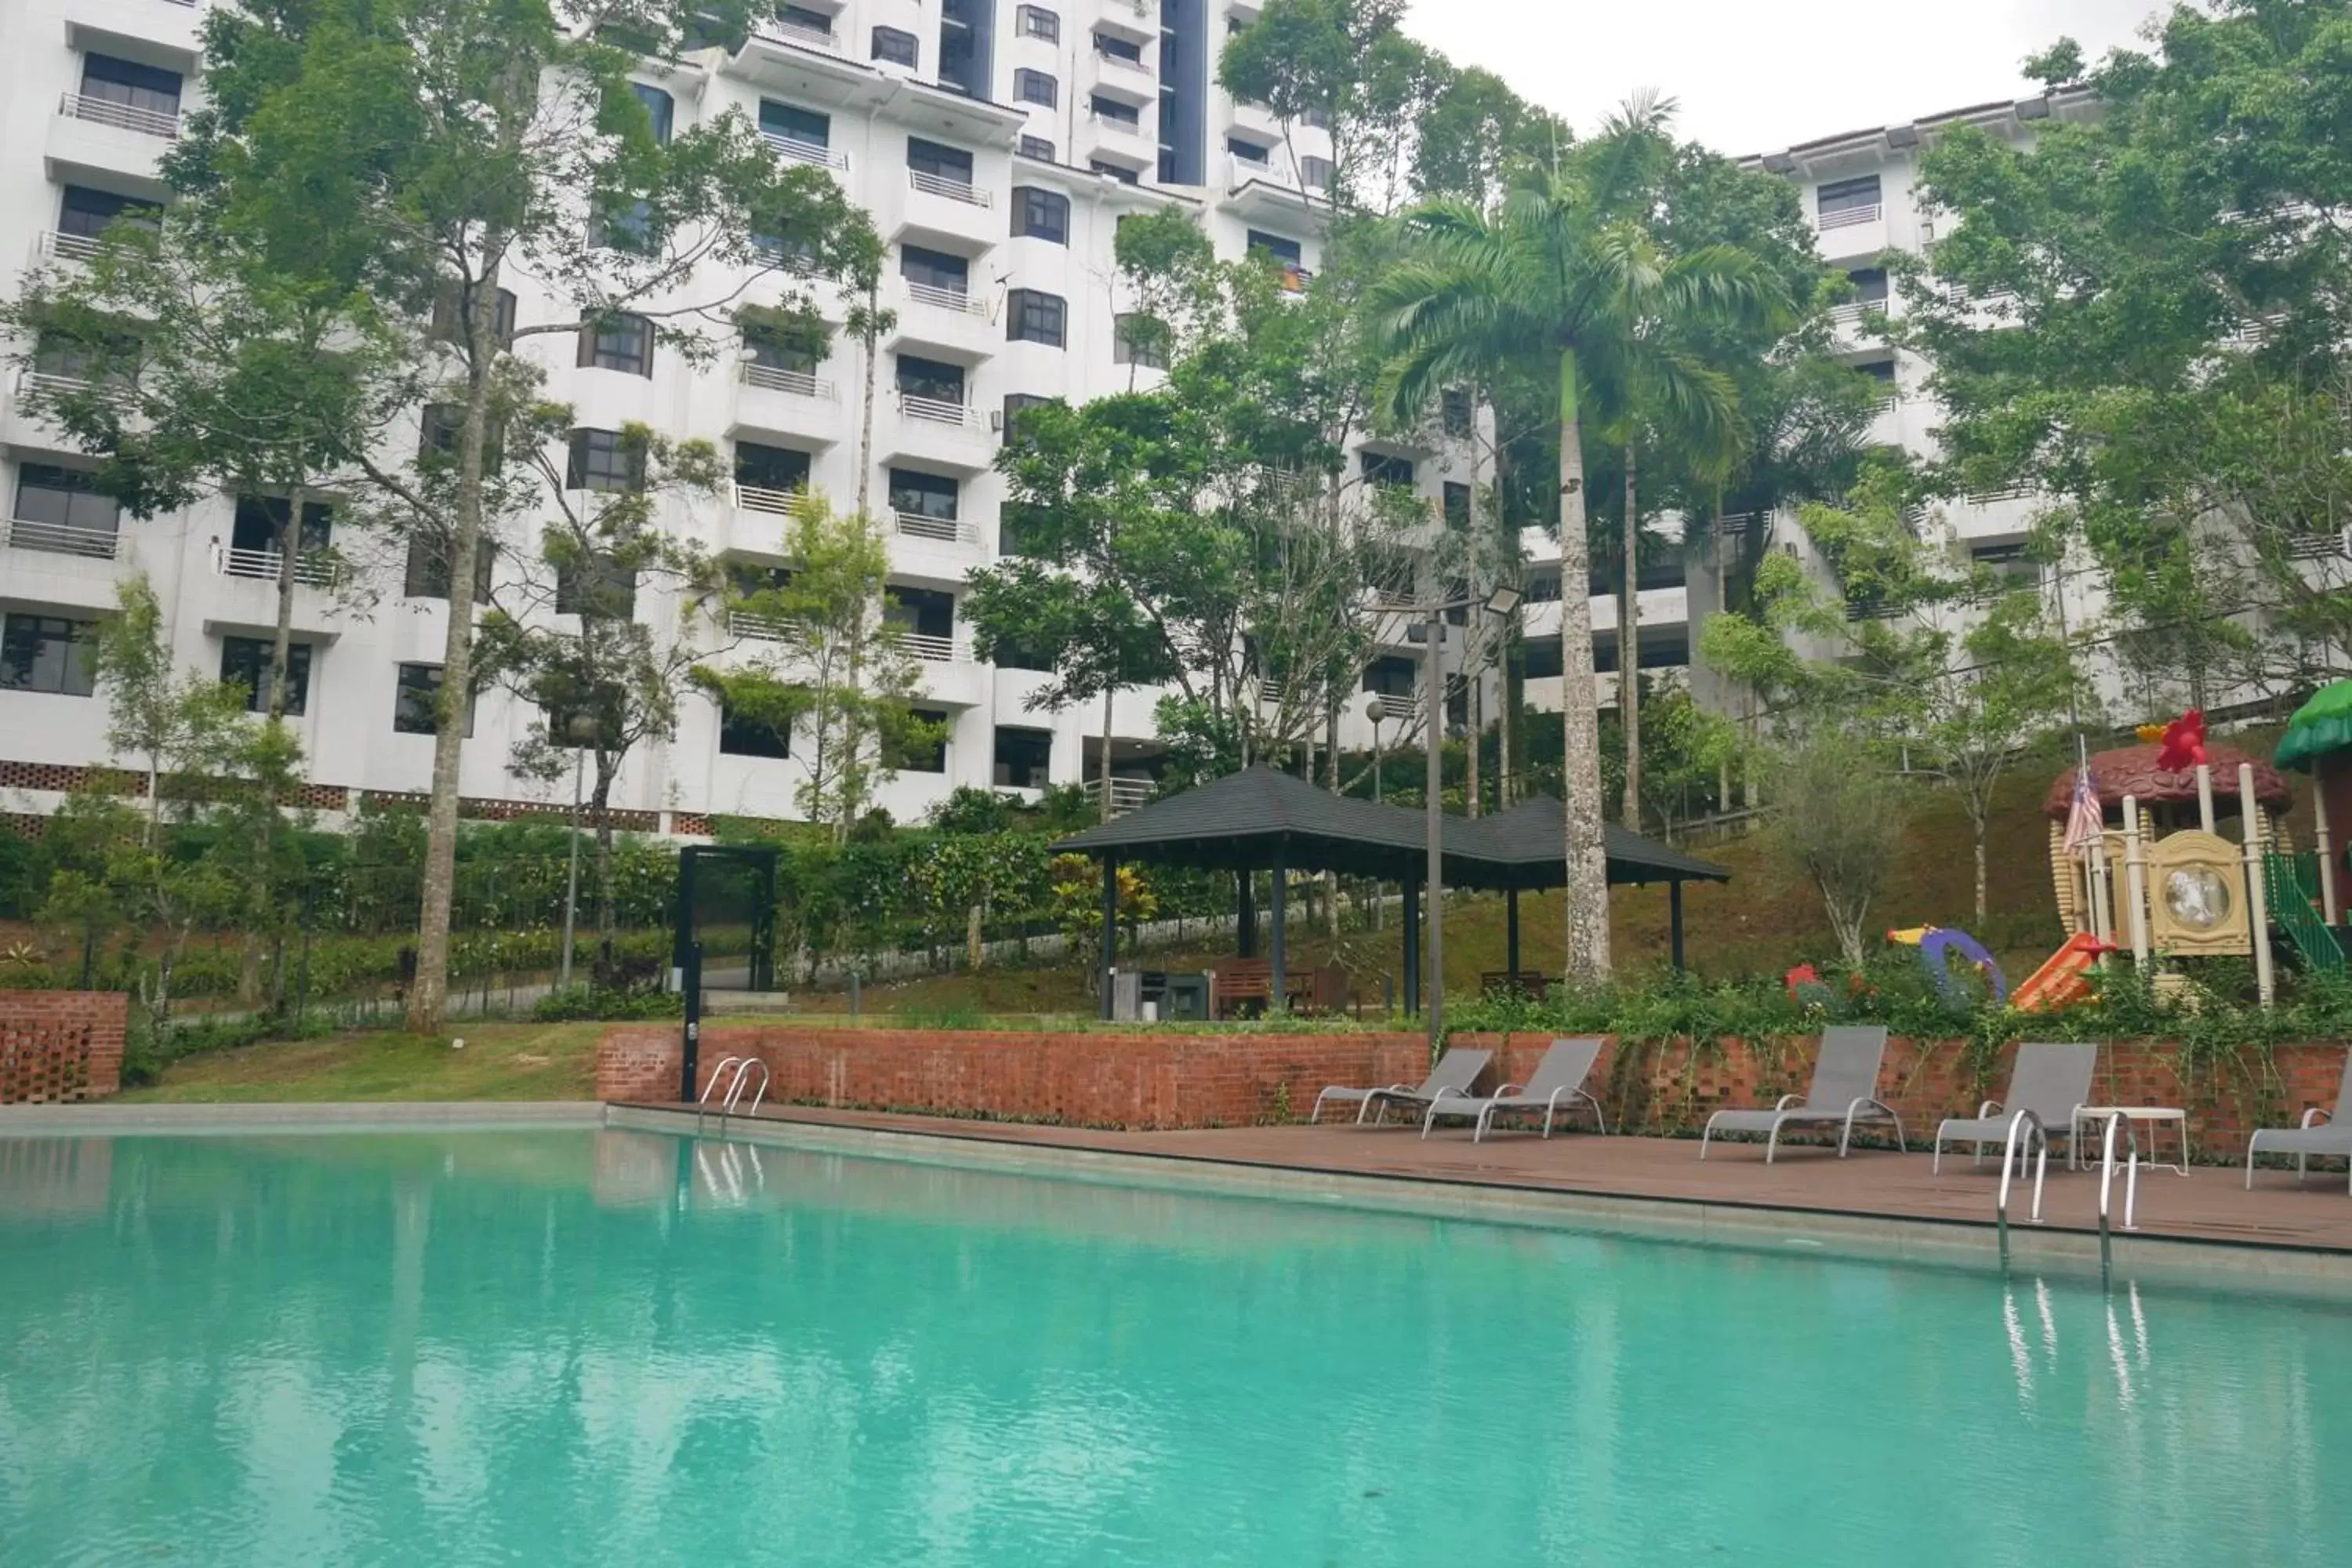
{"x":570,"y":1348}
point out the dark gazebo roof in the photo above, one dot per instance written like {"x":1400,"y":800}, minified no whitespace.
{"x":1238,"y":822}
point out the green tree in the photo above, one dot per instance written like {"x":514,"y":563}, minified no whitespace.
{"x":421,"y":155}
{"x":1838,"y":816}
{"x":1560,"y":277}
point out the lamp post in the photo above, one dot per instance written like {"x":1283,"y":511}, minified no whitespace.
{"x":580,"y":730}
{"x":1376,"y":708}
{"x":1501,"y":602}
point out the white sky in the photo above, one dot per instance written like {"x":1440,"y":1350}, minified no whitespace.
{"x":1754,"y":76}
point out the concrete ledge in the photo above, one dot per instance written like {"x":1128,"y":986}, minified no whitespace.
{"x":1966,"y":1247}
{"x":345,"y":1116}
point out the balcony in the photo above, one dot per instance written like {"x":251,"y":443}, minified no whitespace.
{"x":936,"y":530}
{"x":1851,"y":313}
{"x":760,"y":497}
{"x":937,"y":411}
{"x":65,"y":249}
{"x":792,"y":150}
{"x":1126,"y":794}
{"x":61,"y":539}
{"x":801,"y":33}
{"x":760,"y":628}
{"x":121,"y":116}
{"x":1119,"y":71}
{"x":953,"y":648}
{"x":316,"y":569}
{"x":939,"y":299}
{"x":952,"y":190}
{"x":1848,"y":217}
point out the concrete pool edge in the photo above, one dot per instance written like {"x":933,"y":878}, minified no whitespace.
{"x":1763,"y":1228}
{"x":102,"y":1120}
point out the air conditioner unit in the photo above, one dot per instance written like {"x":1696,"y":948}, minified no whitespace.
{"x":996,"y":420}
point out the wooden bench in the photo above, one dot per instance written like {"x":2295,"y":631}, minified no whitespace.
{"x":1233,"y":982}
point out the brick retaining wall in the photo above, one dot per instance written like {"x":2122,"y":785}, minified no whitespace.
{"x":1666,"y":1088}
{"x":1136,"y":1081}
{"x":60,"y":1045}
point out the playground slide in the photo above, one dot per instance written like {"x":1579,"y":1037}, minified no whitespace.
{"x":2063,"y":980}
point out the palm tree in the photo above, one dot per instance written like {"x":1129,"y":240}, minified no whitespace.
{"x":1563,"y":277}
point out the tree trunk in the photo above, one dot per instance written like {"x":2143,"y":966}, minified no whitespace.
{"x":607,"y":911}
{"x":1629,"y":652}
{"x":1588,"y":863}
{"x":288,"y":536}
{"x":1331,"y":776}
{"x":1477,"y":739}
{"x":866,"y":414}
{"x":1978,"y":822}
{"x":1105,"y":769}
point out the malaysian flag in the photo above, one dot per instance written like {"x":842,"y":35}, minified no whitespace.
{"x":2085,"y":821}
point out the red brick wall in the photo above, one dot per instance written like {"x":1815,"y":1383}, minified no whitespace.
{"x":60,"y":1045}
{"x":1668,"y":1088}
{"x":1139,"y":1080}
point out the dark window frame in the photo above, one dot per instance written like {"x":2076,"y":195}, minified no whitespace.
{"x":898,"y":47}
{"x":598,"y":455}
{"x":1043,"y":88}
{"x":1033,"y":759}
{"x":1036,"y":22}
{"x":27,"y":665}
{"x":250,"y":655}
{"x":1041,"y":214}
{"x":622,"y":341}
{"x":414,"y":704}
{"x":1034,"y":316}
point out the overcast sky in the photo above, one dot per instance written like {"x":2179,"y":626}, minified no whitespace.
{"x":1754,"y":76}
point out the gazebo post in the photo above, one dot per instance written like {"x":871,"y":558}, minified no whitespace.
{"x":1675,"y":919}
{"x":1511,"y":938}
{"x":1109,"y":934}
{"x":1248,"y":928}
{"x":1279,"y":1001}
{"x":1411,"y":946}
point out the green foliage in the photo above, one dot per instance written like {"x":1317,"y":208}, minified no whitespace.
{"x":582,"y":1002}
{"x":1838,"y":816}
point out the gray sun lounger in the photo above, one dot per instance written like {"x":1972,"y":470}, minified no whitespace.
{"x":1456,"y":1071}
{"x":1844,"y":1090}
{"x":2332,"y":1140}
{"x":1558,"y":1085}
{"x":2053,"y":1081}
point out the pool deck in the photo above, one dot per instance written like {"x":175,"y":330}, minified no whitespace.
{"x":2210,"y":1205}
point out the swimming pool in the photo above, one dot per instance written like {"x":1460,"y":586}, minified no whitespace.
{"x":576,"y":1347}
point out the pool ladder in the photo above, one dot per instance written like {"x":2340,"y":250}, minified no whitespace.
{"x":735,"y":1086}
{"x":2027,"y":1135}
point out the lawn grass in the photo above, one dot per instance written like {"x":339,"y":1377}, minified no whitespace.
{"x":499,"y":1061}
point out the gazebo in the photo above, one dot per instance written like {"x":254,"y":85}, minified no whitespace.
{"x":1263,"y":820}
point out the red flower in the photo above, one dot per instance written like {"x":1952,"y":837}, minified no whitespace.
{"x":2183,"y":747}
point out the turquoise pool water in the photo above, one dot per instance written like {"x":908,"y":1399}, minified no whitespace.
{"x":618,"y":1348}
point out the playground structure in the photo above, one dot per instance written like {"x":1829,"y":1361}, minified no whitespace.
{"x":2158,"y":878}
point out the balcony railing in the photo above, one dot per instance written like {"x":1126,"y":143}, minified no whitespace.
{"x":122,"y":116}
{"x":953,"y":190}
{"x":760,"y":628}
{"x":1395,"y":709}
{"x":1126,"y":794}
{"x":55,"y":246}
{"x":792,"y":383}
{"x":935,"y":410}
{"x":762,"y":498}
{"x":1846,"y":217}
{"x":936,"y":650}
{"x":1995,"y":497}
{"x":954,"y":300}
{"x":1120,"y":62}
{"x":943,"y":530}
{"x":1850,"y":312}
{"x":793,"y":149}
{"x":312,"y":569}
{"x":798,"y":33}
{"x":62,"y":539}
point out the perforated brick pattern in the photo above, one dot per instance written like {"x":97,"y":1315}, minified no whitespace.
{"x":61,"y":1046}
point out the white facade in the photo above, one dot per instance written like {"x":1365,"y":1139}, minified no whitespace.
{"x":1108,"y":103}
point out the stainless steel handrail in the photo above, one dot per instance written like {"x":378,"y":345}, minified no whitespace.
{"x":735,"y":1090}
{"x":2107,"y":1181}
{"x":2025,"y":1121}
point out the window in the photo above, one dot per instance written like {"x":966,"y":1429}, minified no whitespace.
{"x":1017,"y":404}
{"x":925,"y":495}
{"x":445,"y":317}
{"x":131,"y":84}
{"x":594,"y":712}
{"x":770,"y":351}
{"x":1247,"y":151}
{"x":1138,"y":339}
{"x":1036,"y":22}
{"x":1382,"y":468}
{"x":934,"y":380}
{"x":1543,"y":585}
{"x":1112,"y":47}
{"x":1037,"y":147}
{"x":805,"y":20}
{"x":925,"y":613}
{"x":659,"y":106}
{"x":1318,"y":118}
{"x":1543,"y":658}
{"x":1119,"y":172}
{"x":601,"y":461}
{"x":596,"y":587}
{"x":1456,"y":505}
{"x":72,"y":516}
{"x":1024,"y":758}
{"x":1392,"y":675}
{"x":1033,"y":317}
{"x":1869,"y":285}
{"x":777,"y":468}
{"x":741,"y":735}
{"x":444,"y":426}
{"x":86,"y":213}
{"x":1024,"y":530}
{"x":895,"y":47}
{"x":416,"y":698}
{"x":245,"y":661}
{"x":1856,"y":199}
{"x":1317,"y":173}
{"x":934,"y":269}
{"x":622,"y":342}
{"x":1286,"y":251}
{"x":1454,"y":411}
{"x":1117,"y":114}
{"x":928,"y":754}
{"x":427,"y":573}
{"x":46,"y":653}
{"x":259,"y":521}
{"x":1035,"y":86}
{"x":940,"y":163}
{"x":790,"y":123}
{"x":1882,"y":372}
{"x":1041,"y":214}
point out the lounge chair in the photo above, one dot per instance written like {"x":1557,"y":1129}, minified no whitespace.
{"x":1844,"y":1090}
{"x":1456,"y":1071}
{"x":2332,"y":1140}
{"x":1558,"y":1085}
{"x":2053,"y":1081}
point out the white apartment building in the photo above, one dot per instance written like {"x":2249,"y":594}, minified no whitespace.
{"x":996,"y":144}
